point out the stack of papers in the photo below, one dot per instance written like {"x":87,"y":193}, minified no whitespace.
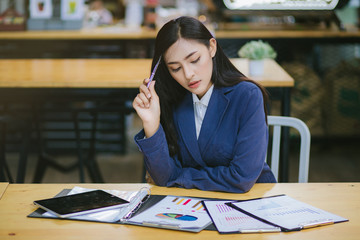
{"x":260,"y":215}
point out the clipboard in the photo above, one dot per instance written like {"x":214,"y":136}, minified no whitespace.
{"x":286,"y":213}
{"x":140,"y":205}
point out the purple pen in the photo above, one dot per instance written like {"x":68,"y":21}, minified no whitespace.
{"x":153,"y":72}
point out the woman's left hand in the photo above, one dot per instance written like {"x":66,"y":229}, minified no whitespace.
{"x":147,"y":106}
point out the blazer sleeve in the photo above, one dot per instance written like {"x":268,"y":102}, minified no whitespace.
{"x":244,"y":169}
{"x":157,"y":159}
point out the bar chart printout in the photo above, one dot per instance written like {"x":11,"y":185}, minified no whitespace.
{"x":181,"y":213}
{"x":228,"y":219}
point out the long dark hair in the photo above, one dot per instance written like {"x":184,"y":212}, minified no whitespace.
{"x":169,"y":91}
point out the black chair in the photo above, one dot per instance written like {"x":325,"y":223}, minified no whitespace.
{"x":84,"y":140}
{"x":22,"y":127}
{"x":88,"y":161}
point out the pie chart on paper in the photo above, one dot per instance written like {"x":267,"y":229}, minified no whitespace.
{"x":175,"y":216}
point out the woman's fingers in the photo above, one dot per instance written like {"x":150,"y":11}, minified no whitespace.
{"x":152,"y":90}
{"x":147,"y":106}
{"x":142,"y":100}
{"x":145,"y":89}
{"x":146,"y":95}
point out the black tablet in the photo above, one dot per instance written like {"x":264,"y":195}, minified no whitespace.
{"x":81,"y":203}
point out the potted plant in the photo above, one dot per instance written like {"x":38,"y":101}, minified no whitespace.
{"x":256,"y":52}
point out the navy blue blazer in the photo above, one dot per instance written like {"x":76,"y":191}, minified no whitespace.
{"x":229,"y":154}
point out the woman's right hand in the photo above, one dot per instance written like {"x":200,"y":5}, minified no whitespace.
{"x":147,"y":106}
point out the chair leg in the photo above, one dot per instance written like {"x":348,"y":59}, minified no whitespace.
{"x":3,"y":164}
{"x":4,"y":169}
{"x":123,"y":132}
{"x":92,"y":166}
{"x":8,"y":173}
{"x":2,"y":153}
{"x":42,"y":159}
{"x":94,"y":172}
{"x":23,"y":157}
{"x":40,"y":169}
{"x":79,"y":147}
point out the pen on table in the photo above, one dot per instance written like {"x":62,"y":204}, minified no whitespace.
{"x":153,"y":72}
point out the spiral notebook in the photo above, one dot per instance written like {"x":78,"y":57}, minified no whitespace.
{"x":159,"y":211}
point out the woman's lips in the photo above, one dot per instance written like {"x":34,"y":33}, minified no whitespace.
{"x":194,"y":84}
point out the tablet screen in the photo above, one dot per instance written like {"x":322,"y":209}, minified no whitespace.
{"x":77,"y":204}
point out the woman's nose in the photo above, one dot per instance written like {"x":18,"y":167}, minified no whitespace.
{"x":188,"y":72}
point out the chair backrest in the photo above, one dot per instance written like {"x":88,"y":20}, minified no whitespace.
{"x":277,"y":122}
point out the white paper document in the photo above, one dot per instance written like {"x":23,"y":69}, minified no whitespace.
{"x":287,"y":213}
{"x":230,"y":220}
{"x":175,"y":212}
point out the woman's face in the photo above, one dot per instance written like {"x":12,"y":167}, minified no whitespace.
{"x":190,"y":64}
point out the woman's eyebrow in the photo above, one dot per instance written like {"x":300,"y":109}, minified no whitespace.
{"x":192,"y":53}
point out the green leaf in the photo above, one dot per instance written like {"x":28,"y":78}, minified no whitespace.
{"x":257,"y":50}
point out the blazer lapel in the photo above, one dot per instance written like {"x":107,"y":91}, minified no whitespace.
{"x":186,"y":123}
{"x":213,"y":117}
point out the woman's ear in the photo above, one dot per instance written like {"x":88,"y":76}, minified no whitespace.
{"x":212,"y":47}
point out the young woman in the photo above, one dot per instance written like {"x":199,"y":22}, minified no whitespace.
{"x":204,"y":121}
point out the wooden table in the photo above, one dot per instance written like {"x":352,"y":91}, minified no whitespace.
{"x":117,"y":42}
{"x":114,"y":73}
{"x":119,"y":33}
{"x":106,"y":73}
{"x":339,"y":198}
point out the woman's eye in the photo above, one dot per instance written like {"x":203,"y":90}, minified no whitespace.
{"x":175,"y":70}
{"x":195,"y":61}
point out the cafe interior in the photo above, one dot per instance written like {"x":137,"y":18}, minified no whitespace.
{"x":82,"y":131}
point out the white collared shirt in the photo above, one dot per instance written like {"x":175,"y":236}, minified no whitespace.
{"x":200,"y":107}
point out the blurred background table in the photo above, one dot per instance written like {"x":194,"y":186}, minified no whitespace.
{"x":108,"y":84}
{"x":106,"y":73}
